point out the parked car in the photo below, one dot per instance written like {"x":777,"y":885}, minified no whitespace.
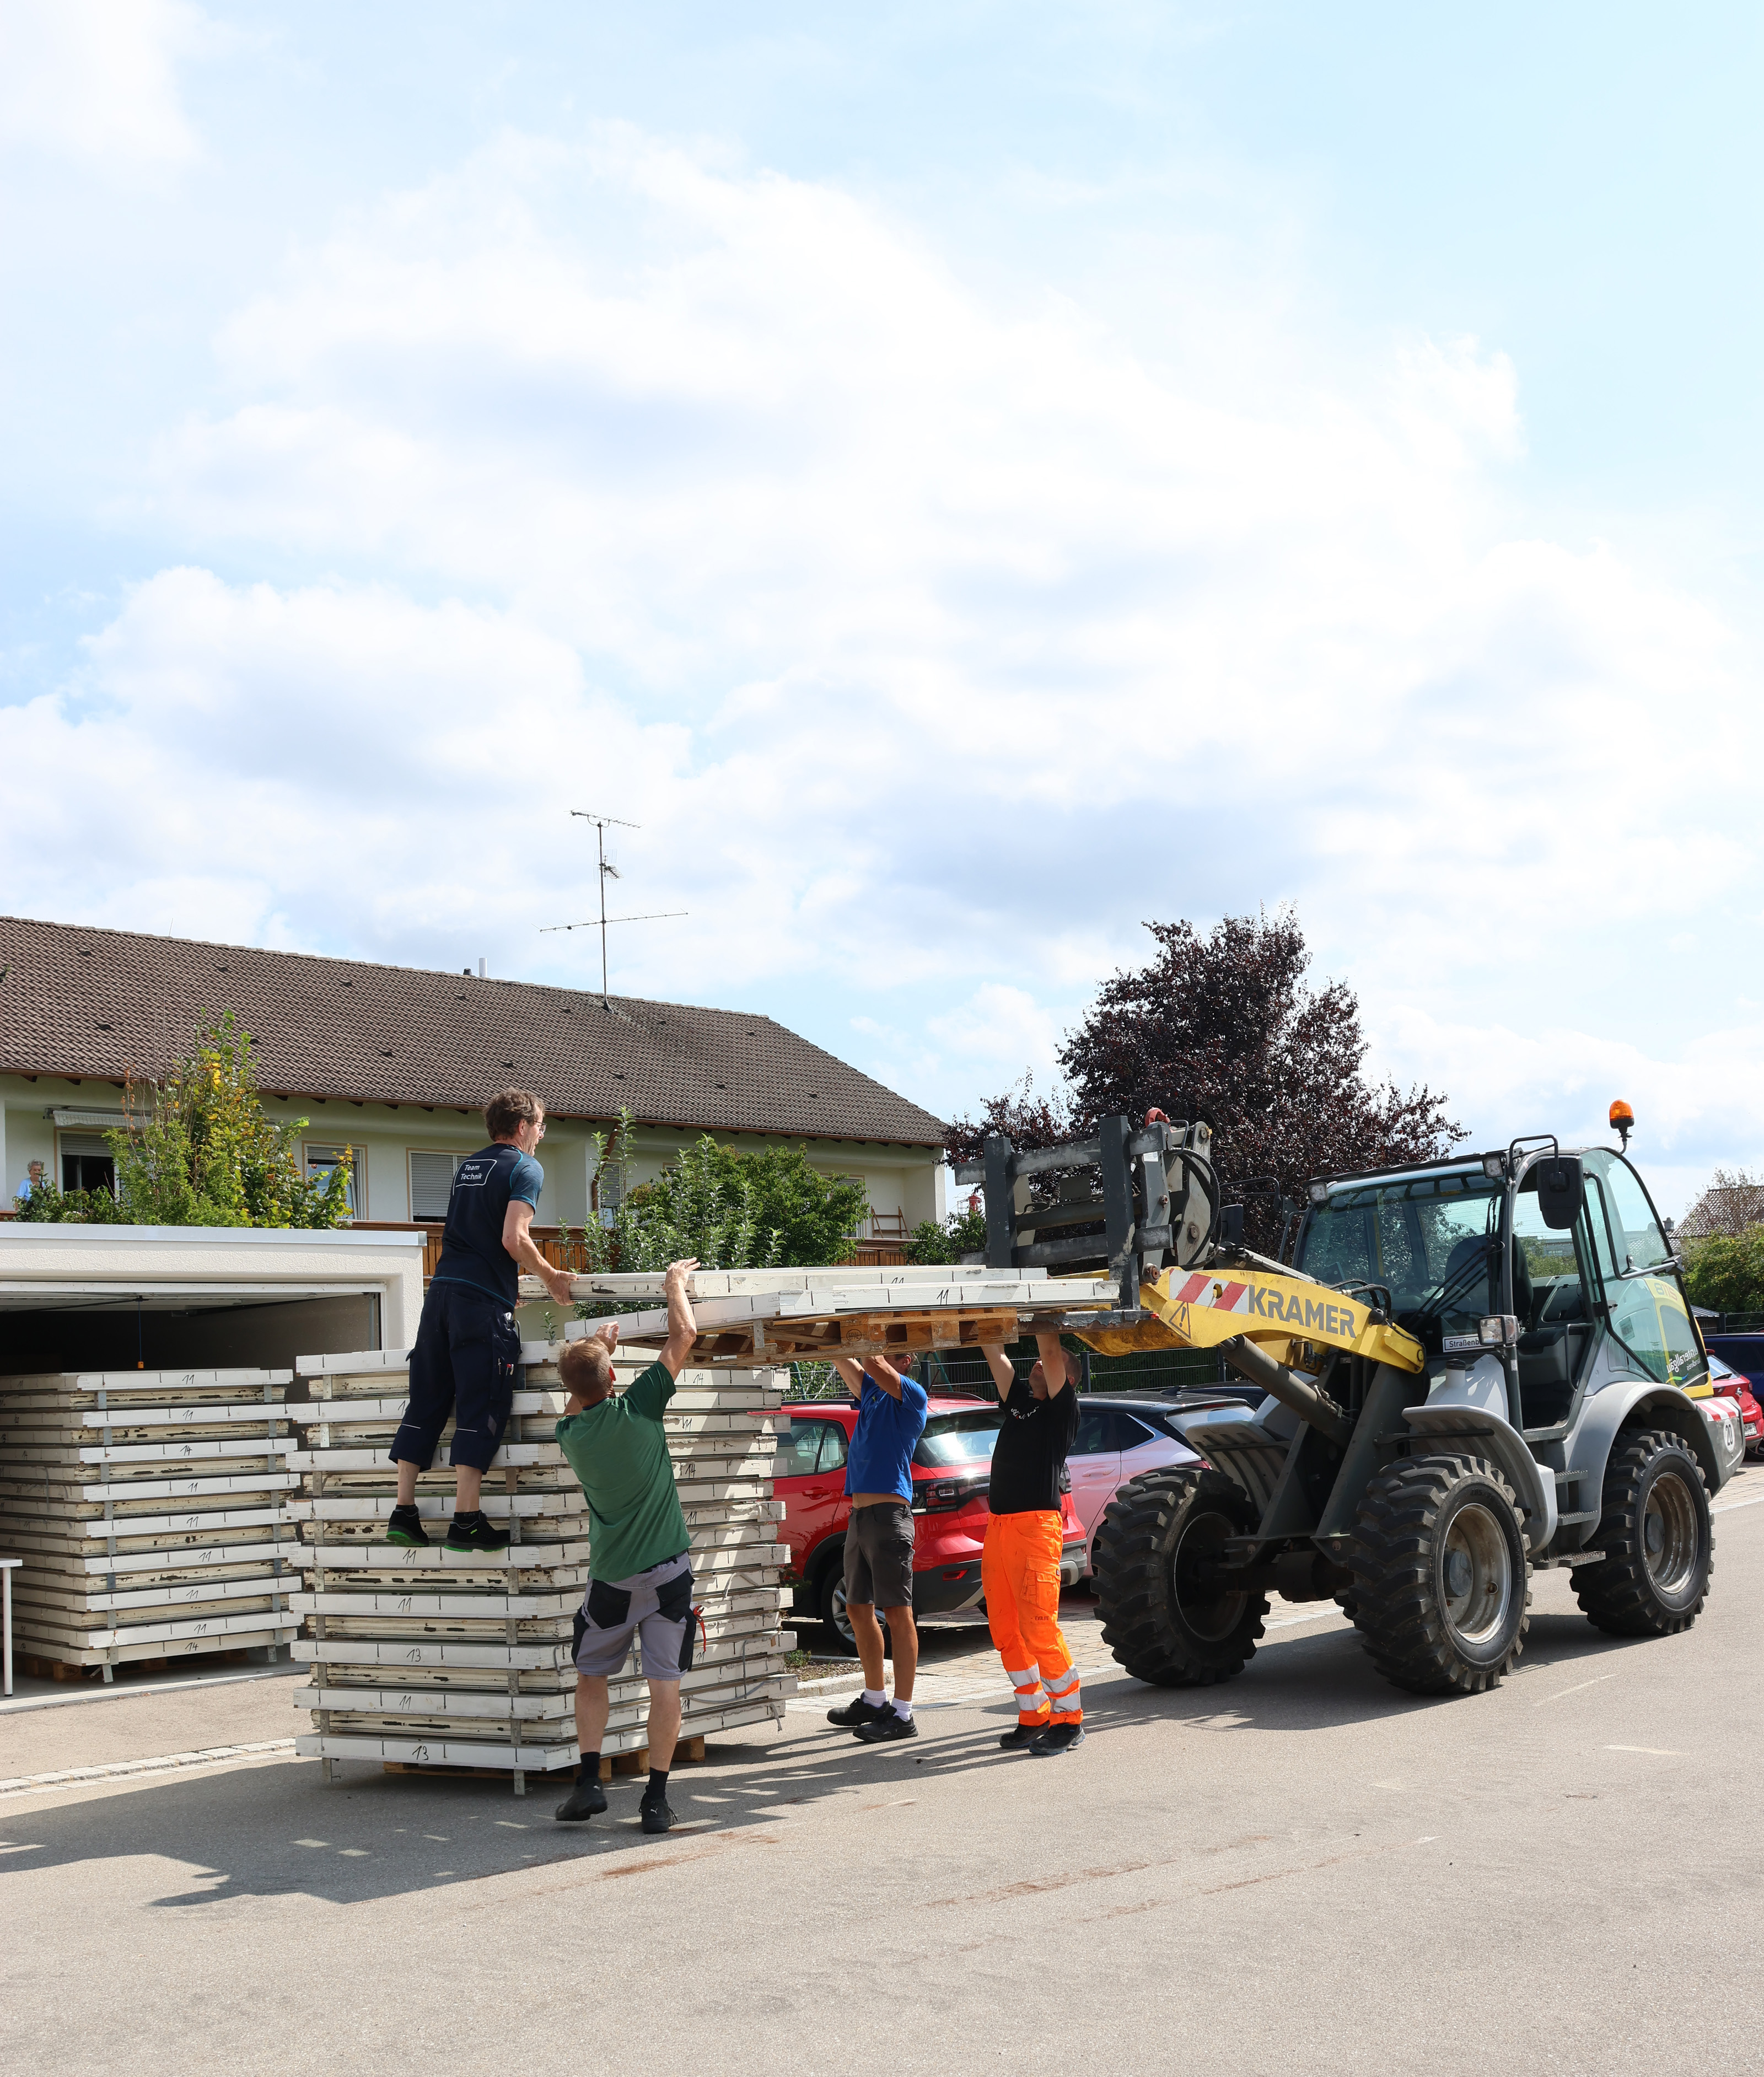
{"x":1735,"y":1385}
{"x":1118,"y":1437}
{"x":952,"y":1468}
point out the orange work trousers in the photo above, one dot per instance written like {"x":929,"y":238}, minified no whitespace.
{"x":1020,"y":1575}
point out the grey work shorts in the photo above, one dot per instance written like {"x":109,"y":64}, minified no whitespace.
{"x":879,"y":1555}
{"x":655,"y":1605}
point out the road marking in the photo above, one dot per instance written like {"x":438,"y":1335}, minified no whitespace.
{"x":1728,"y":1506}
{"x":1657,"y":1752}
{"x":1574,"y":1690}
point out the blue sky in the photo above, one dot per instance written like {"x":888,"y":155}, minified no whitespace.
{"x":966,"y":480}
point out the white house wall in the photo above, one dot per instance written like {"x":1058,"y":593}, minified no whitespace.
{"x":907,"y":1179}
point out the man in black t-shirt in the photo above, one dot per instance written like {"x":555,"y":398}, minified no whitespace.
{"x":1020,"y":1563}
{"x":468,"y":1351}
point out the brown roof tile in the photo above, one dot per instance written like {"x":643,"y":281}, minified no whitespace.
{"x":99,"y":1003}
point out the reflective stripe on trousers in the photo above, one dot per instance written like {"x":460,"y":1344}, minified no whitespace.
{"x":1020,"y":1577}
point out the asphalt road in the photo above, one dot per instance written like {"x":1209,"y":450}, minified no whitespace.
{"x":1305,"y":1870}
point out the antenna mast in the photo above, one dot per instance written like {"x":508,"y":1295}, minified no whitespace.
{"x":602,"y":823}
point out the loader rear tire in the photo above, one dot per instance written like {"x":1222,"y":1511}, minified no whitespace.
{"x":1440,"y":1576}
{"x":1164,"y":1616}
{"x":1656,"y":1536}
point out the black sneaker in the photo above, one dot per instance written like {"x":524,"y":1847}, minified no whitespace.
{"x":476,"y":1534}
{"x":856,"y":1712}
{"x":888,"y":1725}
{"x":587,"y":1799}
{"x":1021,"y":1738}
{"x":656,"y":1817}
{"x":1057,"y":1739}
{"x":406,"y":1526}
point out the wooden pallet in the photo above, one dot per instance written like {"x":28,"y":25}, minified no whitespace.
{"x":35,"y":1669}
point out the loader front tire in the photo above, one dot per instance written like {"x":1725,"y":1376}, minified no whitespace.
{"x":1440,"y":1576}
{"x":1166,"y":1614}
{"x":1656,"y":1536}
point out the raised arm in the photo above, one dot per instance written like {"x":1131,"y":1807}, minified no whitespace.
{"x":518,"y":1242}
{"x":852,"y":1373}
{"x":682,"y":1328}
{"x":1003,"y":1369}
{"x":885,"y":1375}
{"x":1056,"y":1366}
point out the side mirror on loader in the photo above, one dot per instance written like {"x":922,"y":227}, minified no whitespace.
{"x":1562,"y":1190}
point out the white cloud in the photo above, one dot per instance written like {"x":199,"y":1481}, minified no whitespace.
{"x":98,"y":79}
{"x":936,"y":638}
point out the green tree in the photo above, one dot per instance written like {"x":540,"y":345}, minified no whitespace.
{"x":1726,"y":1273}
{"x":200,"y":1152}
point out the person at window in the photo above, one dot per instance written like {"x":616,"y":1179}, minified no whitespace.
{"x":33,"y":1181}
{"x":1019,"y":1559}
{"x":467,"y":1359}
{"x":878,"y":1541}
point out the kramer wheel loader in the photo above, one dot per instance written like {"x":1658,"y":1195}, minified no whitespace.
{"x":1471,"y":1369}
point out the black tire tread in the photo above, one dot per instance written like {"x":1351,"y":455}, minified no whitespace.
{"x":1393,"y":1604}
{"x":1616,"y":1595}
{"x":1126,"y":1555}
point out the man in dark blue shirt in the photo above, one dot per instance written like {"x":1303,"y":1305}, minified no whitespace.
{"x":468,"y":1353}
{"x":878,"y":1540}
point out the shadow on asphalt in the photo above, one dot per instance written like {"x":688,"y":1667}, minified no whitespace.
{"x":275,"y":1830}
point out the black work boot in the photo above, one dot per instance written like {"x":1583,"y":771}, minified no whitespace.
{"x":472,"y":1532}
{"x":406,"y":1526}
{"x":587,"y":1799}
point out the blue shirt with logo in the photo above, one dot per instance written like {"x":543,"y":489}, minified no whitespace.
{"x":882,"y":1443}
{"x":472,"y":1250}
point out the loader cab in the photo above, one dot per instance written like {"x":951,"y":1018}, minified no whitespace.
{"x":1454,"y":1243}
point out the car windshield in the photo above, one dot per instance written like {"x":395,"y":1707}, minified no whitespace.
{"x":1425,"y":1239}
{"x":958,"y":1438}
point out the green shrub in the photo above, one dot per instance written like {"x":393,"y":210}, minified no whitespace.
{"x":56,"y":1207}
{"x":961,"y":1232}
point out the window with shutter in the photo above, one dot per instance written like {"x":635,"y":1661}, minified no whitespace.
{"x":431,"y":1182}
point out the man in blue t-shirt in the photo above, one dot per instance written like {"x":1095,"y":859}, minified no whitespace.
{"x":468,"y":1353}
{"x":878,"y":1540}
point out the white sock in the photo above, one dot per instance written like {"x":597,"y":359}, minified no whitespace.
{"x":903,"y":1709}
{"x":875,"y":1696}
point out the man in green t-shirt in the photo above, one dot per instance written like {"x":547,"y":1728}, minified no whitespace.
{"x":640,"y":1574}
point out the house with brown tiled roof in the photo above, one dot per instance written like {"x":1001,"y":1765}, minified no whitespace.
{"x":396,"y":1063}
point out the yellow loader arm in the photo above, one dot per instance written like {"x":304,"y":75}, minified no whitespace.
{"x":1201,"y":1309}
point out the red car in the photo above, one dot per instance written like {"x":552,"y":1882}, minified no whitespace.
{"x":952,"y":1469}
{"x":1735,"y":1384}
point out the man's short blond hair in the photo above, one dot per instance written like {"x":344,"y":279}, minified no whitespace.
{"x":585,"y":1366}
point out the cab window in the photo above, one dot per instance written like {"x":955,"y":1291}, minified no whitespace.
{"x":1636,"y":1234}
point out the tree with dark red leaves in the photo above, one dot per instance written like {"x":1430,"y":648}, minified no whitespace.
{"x":1223,"y":1026}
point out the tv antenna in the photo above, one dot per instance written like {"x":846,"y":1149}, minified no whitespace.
{"x":608,"y":871}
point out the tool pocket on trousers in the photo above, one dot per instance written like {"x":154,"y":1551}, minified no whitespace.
{"x":576,"y":1629}
{"x":608,"y":1607}
{"x":673,"y":1598}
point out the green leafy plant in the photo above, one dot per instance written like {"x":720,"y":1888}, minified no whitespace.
{"x":199,"y":1151}
{"x":1726,"y":1273}
{"x":49,"y":1205}
{"x":731,"y":1210}
{"x":961,"y":1232}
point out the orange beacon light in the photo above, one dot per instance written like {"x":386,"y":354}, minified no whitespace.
{"x":1622,"y":1120}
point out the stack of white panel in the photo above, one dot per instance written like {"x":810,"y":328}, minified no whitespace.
{"x":148,"y":1507}
{"x":429,"y":1656}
